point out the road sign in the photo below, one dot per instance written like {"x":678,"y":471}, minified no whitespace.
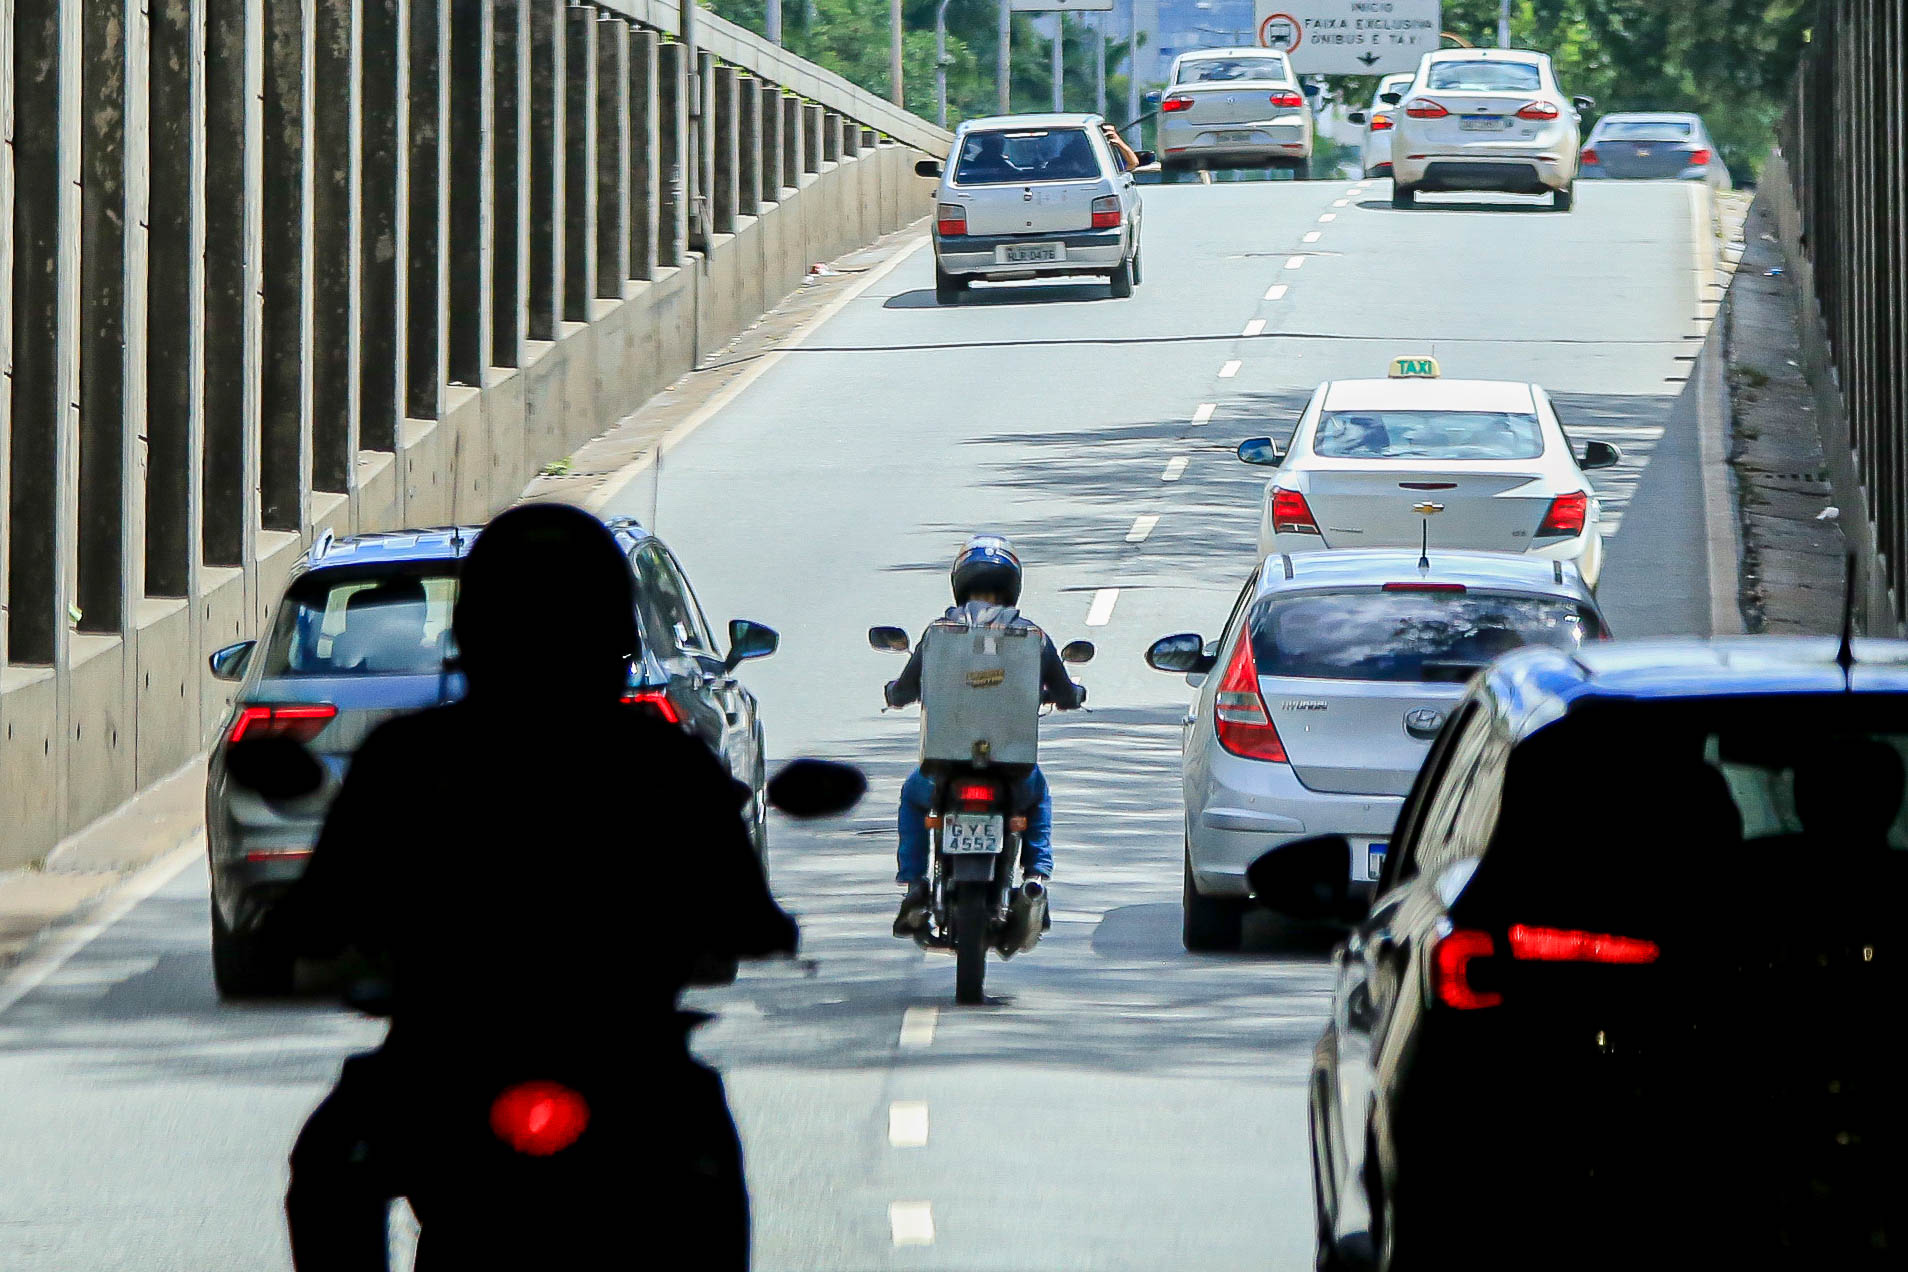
{"x":1061,"y":6}
{"x":1350,"y":37}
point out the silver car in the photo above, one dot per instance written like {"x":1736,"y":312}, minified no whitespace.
{"x":1321,"y":697}
{"x":1236,"y":108}
{"x":1033,"y":196}
{"x":1639,"y":147}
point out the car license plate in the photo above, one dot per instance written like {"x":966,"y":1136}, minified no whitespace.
{"x":1483,"y":123}
{"x":1031,"y":253}
{"x":973,"y":833}
{"x":1375,"y":860}
{"x":1235,"y":136}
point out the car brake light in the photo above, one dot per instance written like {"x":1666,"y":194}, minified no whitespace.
{"x":976,"y":793}
{"x":1559,"y":945}
{"x":1106,"y":212}
{"x":655,"y":700}
{"x":1172,"y":105}
{"x":1424,"y":587}
{"x":1451,"y":960}
{"x":1287,"y":98}
{"x":1238,"y":713}
{"x":1291,"y":514}
{"x":950,"y":220}
{"x":1381,"y":123}
{"x":539,"y":1119}
{"x":1699,"y":158}
{"x":300,"y":723}
{"x":1425,"y":108}
{"x":1590,"y":155}
{"x":1538,"y":110}
{"x":1565,"y":516}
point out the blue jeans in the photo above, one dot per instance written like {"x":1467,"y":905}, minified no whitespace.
{"x":917,"y":798}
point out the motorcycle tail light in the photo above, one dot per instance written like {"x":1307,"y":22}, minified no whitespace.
{"x":981,"y":793}
{"x":656,"y":701}
{"x":1239,"y":716}
{"x":300,"y":722}
{"x":1106,"y":212}
{"x":1566,"y":516}
{"x":539,"y":1119}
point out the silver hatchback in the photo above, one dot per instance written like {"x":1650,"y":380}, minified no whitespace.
{"x":1322,"y":695}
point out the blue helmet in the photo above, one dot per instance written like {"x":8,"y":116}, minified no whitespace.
{"x":986,"y":563}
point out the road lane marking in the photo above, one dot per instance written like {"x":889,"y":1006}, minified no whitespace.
{"x":1328,"y":218}
{"x":1314,"y":236}
{"x":1105,"y":599}
{"x":911,"y":1222}
{"x":1204,"y":412}
{"x":908,"y":1124}
{"x":1230,"y":369}
{"x":1295,"y":262}
{"x":1342,"y":203}
{"x":917,"y":1026}
{"x":1142,"y":526}
{"x":1255,"y":327}
{"x":1276,"y":291}
{"x":1174,"y":468}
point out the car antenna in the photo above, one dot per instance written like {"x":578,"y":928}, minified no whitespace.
{"x":1845,"y":655}
{"x":1424,"y":551}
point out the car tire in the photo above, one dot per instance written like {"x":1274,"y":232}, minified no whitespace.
{"x":1302,"y":169}
{"x":1209,"y":925}
{"x":1326,"y":1256}
{"x":1565,"y":199}
{"x":1403,"y":197}
{"x":947,"y":288}
{"x":1121,"y":280}
{"x":240,"y":969}
{"x":1136,"y":267}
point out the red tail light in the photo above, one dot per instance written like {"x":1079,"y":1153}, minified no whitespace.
{"x":1106,"y":212}
{"x":1590,"y":155}
{"x":1424,"y":587}
{"x":539,"y":1119}
{"x":950,"y":220}
{"x":300,"y":723}
{"x":983,"y":793}
{"x":1451,"y":960}
{"x":1381,"y":123}
{"x":1565,"y":517}
{"x":654,"y":700}
{"x":1425,"y":108}
{"x":1244,"y":725}
{"x":1559,"y":945}
{"x":1699,"y":158}
{"x":1291,"y":514}
{"x":1287,"y":98}
{"x":1173,"y":105}
{"x":1538,"y":110}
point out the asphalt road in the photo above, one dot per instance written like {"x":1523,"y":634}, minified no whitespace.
{"x":1123,"y":1104}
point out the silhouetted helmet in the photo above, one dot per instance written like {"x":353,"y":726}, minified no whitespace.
{"x":986,"y":563}
{"x":546,"y":605}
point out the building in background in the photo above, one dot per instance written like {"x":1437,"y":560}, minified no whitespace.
{"x":1176,"y":26}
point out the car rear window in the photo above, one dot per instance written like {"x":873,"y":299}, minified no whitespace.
{"x":1428,"y":435}
{"x":384,"y":622}
{"x":1484,"y":77}
{"x":1643,"y":130}
{"x":1209,"y":70}
{"x":1408,"y":635}
{"x":1035,"y":154}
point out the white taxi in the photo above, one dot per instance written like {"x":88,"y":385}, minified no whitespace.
{"x":1415,"y":460}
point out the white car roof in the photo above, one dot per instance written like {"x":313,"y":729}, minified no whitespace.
{"x":1511,"y":396}
{"x":996,"y":123}
{"x":1487,"y":55}
{"x":1248,"y":50}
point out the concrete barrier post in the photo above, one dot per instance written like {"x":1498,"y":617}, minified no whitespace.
{"x":726,"y":136}
{"x":793,"y":149}
{"x":510,"y":186}
{"x":285,"y":405}
{"x":811,"y":138}
{"x":771,"y":143}
{"x":672,"y":154}
{"x":645,"y":172}
{"x":472,"y":167}
{"x":703,"y":137}
{"x":337,"y":266}
{"x":612,"y":156}
{"x":579,"y":163}
{"x":384,"y":108}
{"x":850,"y":139}
{"x":748,"y":170}
{"x":831,"y":137}
{"x":426,"y":332}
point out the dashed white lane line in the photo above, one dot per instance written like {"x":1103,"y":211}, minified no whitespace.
{"x":1314,"y":236}
{"x":1174,"y":468}
{"x":1342,"y":203}
{"x":1276,"y":291}
{"x":1327,"y":218}
{"x":1102,"y":608}
{"x":1142,"y":526}
{"x":1230,"y":369}
{"x":1295,"y":262}
{"x":908,"y":1124}
{"x":917,"y":1026}
{"x":1204,"y":412}
{"x":1255,"y":328}
{"x":911,"y":1222}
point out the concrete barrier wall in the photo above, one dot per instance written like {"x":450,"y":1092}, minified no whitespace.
{"x":273,"y":267}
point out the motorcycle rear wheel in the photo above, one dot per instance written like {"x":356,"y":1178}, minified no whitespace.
{"x":970,"y":944}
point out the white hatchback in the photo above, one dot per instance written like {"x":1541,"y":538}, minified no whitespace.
{"x":1380,"y":122}
{"x":1415,"y":461}
{"x":1486,"y":119}
{"x":1236,"y":108}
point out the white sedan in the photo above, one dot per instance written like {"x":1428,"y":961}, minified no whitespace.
{"x":1419,"y":461}
{"x":1380,"y":122}
{"x":1236,"y":108}
{"x":1486,"y":119}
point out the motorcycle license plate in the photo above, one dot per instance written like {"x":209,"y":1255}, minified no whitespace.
{"x":973,"y":833}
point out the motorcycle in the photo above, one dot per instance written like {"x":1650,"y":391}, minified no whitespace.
{"x":980,"y":710}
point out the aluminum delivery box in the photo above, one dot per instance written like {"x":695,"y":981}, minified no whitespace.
{"x":980,"y":694}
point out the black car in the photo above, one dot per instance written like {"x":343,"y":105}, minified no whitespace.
{"x":1626,"y":993}
{"x":363,"y":634}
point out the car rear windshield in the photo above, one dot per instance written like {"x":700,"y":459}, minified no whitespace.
{"x":1428,"y":435}
{"x":1209,"y":70}
{"x":384,"y":622}
{"x":1408,"y":635}
{"x":1484,"y":77}
{"x":1035,"y":154}
{"x":1643,"y":130}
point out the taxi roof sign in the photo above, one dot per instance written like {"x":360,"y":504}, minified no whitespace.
{"x":1415,"y":369}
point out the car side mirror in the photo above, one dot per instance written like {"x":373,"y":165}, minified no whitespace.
{"x":1310,"y":90}
{"x":816,"y":788}
{"x":1306,"y":878}
{"x":889,"y":640}
{"x":1147,"y":158}
{"x":1358,"y":117}
{"x":1584,"y":103}
{"x":1152,"y":98}
{"x":1185,"y":653}
{"x":230,"y":663}
{"x":928,"y":168}
{"x":1391,"y":99}
{"x":1262,"y":451}
{"x":1599,"y":455}
{"x":748,"y":640}
{"x":1077,"y":651}
{"x":277,"y":768}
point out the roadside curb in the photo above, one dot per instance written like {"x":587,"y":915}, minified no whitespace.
{"x":1722,"y":529}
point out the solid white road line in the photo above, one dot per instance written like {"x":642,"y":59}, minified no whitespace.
{"x":1204,"y":412}
{"x":1296,"y":262}
{"x":917,"y":1026}
{"x":1255,"y":327}
{"x":911,"y":1222}
{"x":1328,"y":218}
{"x":1142,"y":526}
{"x":1230,"y":369}
{"x":1276,"y":291}
{"x":908,"y":1124}
{"x":1314,"y":236}
{"x":1174,"y":467}
{"x":1107,"y":597}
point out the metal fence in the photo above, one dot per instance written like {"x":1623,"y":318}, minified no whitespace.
{"x":1842,"y":144}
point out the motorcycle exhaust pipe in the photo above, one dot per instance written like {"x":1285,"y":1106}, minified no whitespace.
{"x":1033,"y":889}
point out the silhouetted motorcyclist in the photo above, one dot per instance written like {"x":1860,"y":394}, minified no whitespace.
{"x":537,"y":868}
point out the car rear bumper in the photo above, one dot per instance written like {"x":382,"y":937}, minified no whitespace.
{"x":977,"y":255}
{"x":1597,"y":172}
{"x":1214,"y":144}
{"x":1509,"y":174}
{"x":1237,"y":810}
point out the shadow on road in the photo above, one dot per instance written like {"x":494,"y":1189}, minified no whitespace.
{"x":994,"y":294}
{"x":1438,"y":203}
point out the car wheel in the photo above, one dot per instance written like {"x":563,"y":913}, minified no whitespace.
{"x":1302,"y":169}
{"x":1121,"y":280}
{"x":1403,"y":197}
{"x":1136,"y":267}
{"x":1326,"y":1255}
{"x":947,"y":288}
{"x":1565,"y":199}
{"x":1209,"y":925}
{"x":240,"y":969}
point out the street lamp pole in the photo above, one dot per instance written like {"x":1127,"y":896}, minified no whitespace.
{"x":1059,"y":62}
{"x":1503,"y":24}
{"x":940,"y":63}
{"x":894,"y":51}
{"x":1003,"y":65}
{"x":1099,"y":64}
{"x":774,"y":24}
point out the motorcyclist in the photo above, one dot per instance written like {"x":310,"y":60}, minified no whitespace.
{"x":986,"y":579}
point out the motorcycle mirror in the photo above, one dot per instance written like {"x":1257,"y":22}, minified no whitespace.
{"x":816,"y":788}
{"x":1077,"y":651}
{"x":888,"y":640}
{"x":277,"y":768}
